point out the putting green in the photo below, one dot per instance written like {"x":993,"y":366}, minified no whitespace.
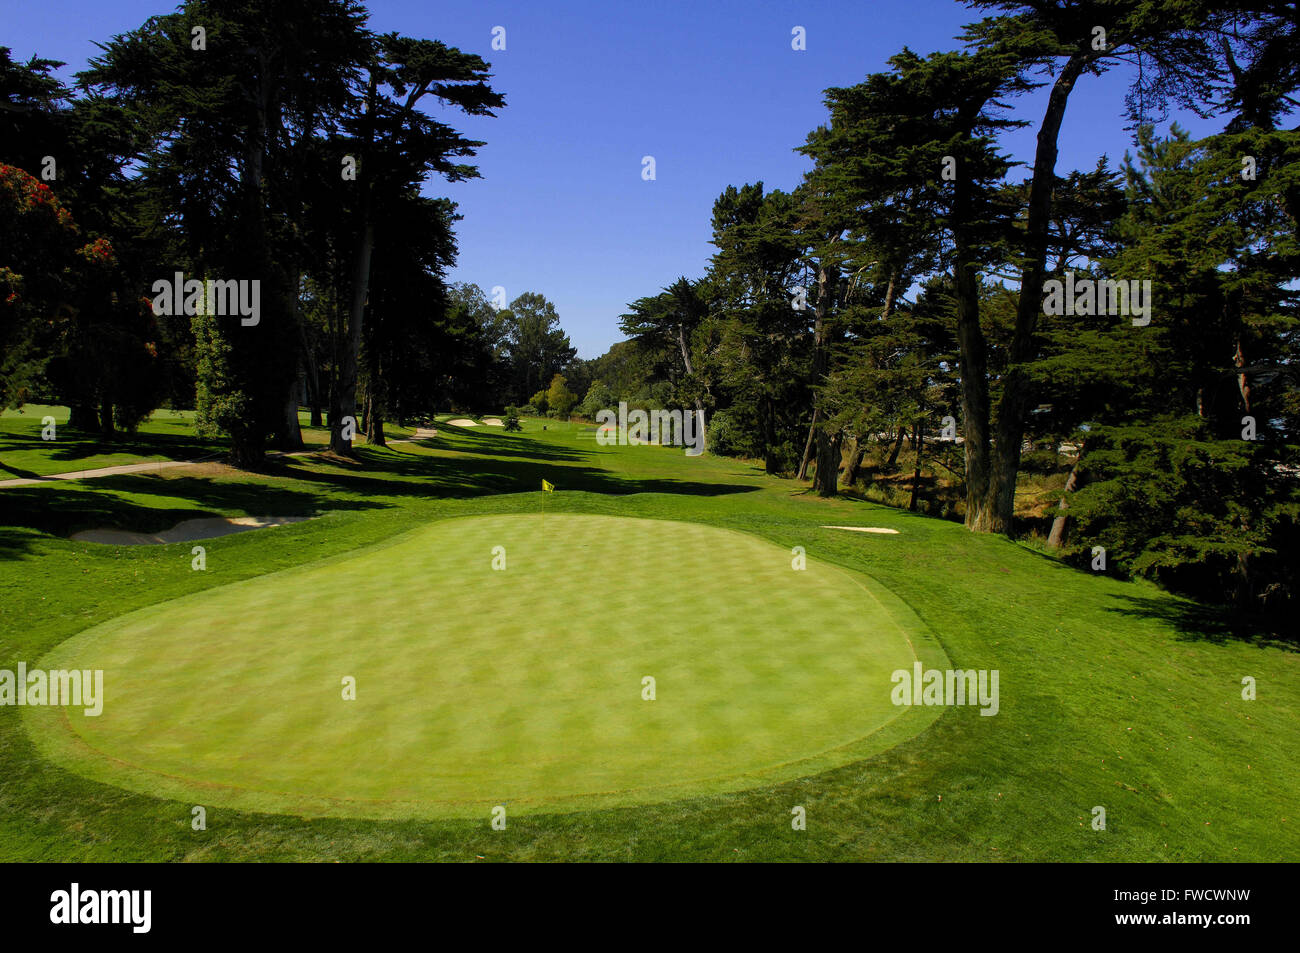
{"x":482,"y":686}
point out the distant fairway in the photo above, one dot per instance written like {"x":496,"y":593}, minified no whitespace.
{"x":478,"y":687}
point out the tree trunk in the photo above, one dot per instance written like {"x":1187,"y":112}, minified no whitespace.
{"x":83,"y":417}
{"x":1243,"y":593}
{"x":1057,"y":536}
{"x":808,"y":446}
{"x":889,"y":295}
{"x":826,"y":276}
{"x":290,"y":432}
{"x":860,"y":442}
{"x":375,"y":420}
{"x":898,"y":446}
{"x":699,"y":404}
{"x":248,"y":439}
{"x":106,"y":416}
{"x":1243,"y":382}
{"x":1017,"y":388}
{"x":375,"y":412}
{"x":770,"y":463}
{"x":974,"y":383}
{"x":311,"y":373}
{"x":247,"y":448}
{"x":828,"y":462}
{"x":916,"y":470}
{"x":346,"y":401}
{"x":855,"y":461}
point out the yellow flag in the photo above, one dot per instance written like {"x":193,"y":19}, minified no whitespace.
{"x":548,"y":487}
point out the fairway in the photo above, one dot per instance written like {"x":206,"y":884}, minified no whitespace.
{"x":478,"y":686}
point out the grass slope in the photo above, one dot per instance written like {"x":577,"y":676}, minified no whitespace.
{"x":1113,"y":694}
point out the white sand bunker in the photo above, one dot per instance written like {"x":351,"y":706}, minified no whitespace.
{"x":463,"y":422}
{"x":424,"y":433}
{"x":866,"y":529}
{"x":493,"y":422}
{"x":186,"y":530}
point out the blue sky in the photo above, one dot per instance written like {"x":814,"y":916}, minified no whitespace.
{"x":711,"y":89}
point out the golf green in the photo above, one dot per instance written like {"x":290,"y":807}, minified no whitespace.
{"x":498,"y":660}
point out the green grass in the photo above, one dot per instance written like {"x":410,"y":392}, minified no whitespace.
{"x":519,"y":685}
{"x":166,"y":435}
{"x":1111,"y":693}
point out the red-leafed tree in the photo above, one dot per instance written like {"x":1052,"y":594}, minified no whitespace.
{"x":38,"y":269}
{"x":68,"y":316}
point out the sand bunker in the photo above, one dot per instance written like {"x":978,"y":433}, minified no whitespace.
{"x":866,"y":529}
{"x":493,"y":422}
{"x":424,"y":433}
{"x":186,"y":530}
{"x":463,"y":422}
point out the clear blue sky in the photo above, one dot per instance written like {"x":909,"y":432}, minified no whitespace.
{"x":710,"y":88}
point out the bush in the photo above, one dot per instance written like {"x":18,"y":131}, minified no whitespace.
{"x":728,"y":435}
{"x":1041,"y":462}
{"x":599,"y":397}
{"x":559,"y":398}
{"x":1213,"y":519}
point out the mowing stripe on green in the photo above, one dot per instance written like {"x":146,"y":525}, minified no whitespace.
{"x":479,"y":686}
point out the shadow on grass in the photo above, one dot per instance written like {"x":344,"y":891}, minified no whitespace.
{"x":305,"y":486}
{"x":500,"y":444}
{"x":73,"y":445}
{"x":423,"y":475}
{"x":21,"y":474}
{"x":401,"y":473}
{"x":1195,"y":622}
{"x":63,"y":509}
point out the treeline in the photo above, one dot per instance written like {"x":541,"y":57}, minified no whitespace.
{"x":905,"y":289}
{"x":224,"y":212}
